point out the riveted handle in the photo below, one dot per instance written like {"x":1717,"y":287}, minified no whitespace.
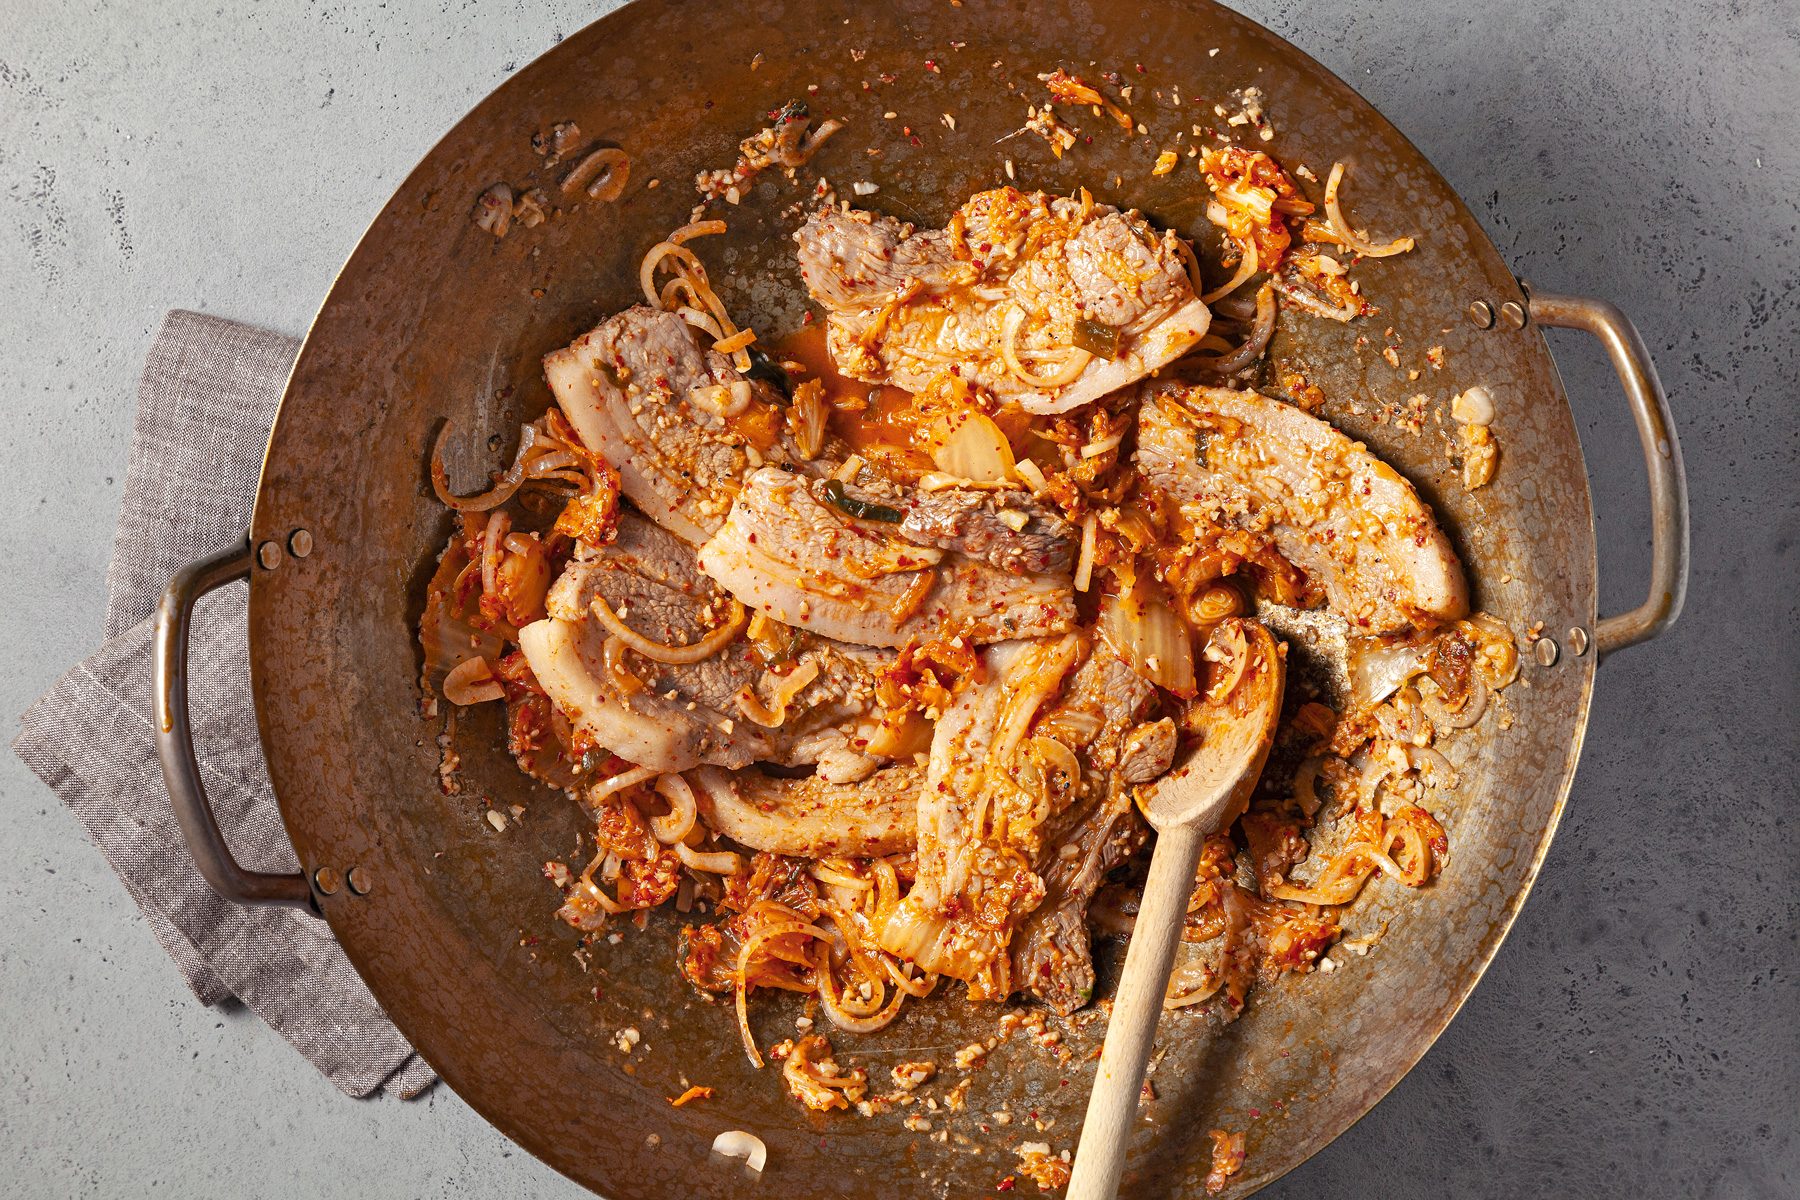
{"x":1662,"y":462}
{"x":175,"y":741}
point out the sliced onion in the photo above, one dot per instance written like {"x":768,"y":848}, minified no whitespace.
{"x":845,"y":1019}
{"x":553,"y":460}
{"x":619,"y":782}
{"x":607,"y":904}
{"x":472,"y":682}
{"x":1261,"y":331}
{"x":1346,"y":234}
{"x":492,"y":543}
{"x":718,"y":862}
{"x":1415,"y":851}
{"x":661,"y":652}
{"x":694,"y":229}
{"x":1372,"y":774}
{"x":693,"y":316}
{"x":1084,"y":565}
{"x":654,"y":257}
{"x":735,"y":1143}
{"x":1192,"y":983}
{"x":1335,"y":886}
{"x":613,"y":668}
{"x":1053,"y":754}
{"x":603,"y":172}
{"x":972,"y":447}
{"x":1378,"y":668}
{"x":503,"y":489}
{"x":1104,"y":445}
{"x":741,"y":988}
{"x":1151,"y":639}
{"x":743,"y":339}
{"x":1437,"y":769}
{"x":1248,"y":261}
{"x":1306,"y":781}
{"x":824,"y":872}
{"x":674,"y":825}
{"x":920,"y":987}
{"x":1442,"y":716}
{"x":1317,"y":307}
{"x":786,"y":687}
{"x":1074,"y":363}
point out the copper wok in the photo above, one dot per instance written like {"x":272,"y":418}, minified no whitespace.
{"x":434,"y":318}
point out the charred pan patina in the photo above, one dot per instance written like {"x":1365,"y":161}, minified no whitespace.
{"x":435,"y":318}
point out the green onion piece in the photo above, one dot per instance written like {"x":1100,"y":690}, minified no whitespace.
{"x":1097,"y":339}
{"x":861,"y":509}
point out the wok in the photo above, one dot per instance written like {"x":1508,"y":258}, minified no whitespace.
{"x":432,"y":318}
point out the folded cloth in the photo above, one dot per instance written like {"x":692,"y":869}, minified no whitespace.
{"x":205,"y":405}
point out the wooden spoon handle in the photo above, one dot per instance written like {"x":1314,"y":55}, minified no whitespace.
{"x":1112,"y":1109}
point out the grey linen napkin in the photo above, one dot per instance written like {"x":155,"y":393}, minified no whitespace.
{"x":205,"y":404}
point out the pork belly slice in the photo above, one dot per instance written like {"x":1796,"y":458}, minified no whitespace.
{"x":674,"y":717}
{"x":1052,"y":952}
{"x":788,"y":551}
{"x":902,"y":305}
{"x":636,"y":390}
{"x":812,"y":817}
{"x":1349,"y":521}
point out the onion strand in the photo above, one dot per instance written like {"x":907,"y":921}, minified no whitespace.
{"x":662,"y":652}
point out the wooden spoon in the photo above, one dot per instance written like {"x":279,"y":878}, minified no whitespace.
{"x":1197,"y":798}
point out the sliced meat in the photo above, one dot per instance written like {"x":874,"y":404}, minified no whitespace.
{"x":791,"y":553}
{"x":1355,"y":527}
{"x":1148,"y":751}
{"x":1040,"y":273}
{"x":1006,"y":527}
{"x":1052,"y":953}
{"x":851,"y":259}
{"x":812,"y":817}
{"x":676,"y":716}
{"x":646,"y":395}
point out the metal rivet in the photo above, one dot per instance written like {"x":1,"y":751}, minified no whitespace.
{"x":328,"y":880}
{"x":1514,"y":314}
{"x":361,"y":881}
{"x":300,"y":543}
{"x":1481,"y":315}
{"x":1578,"y":641}
{"x":269,"y":555}
{"x":1546,"y":651}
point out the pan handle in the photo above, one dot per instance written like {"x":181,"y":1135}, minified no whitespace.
{"x":1662,"y":462}
{"x":175,"y":741}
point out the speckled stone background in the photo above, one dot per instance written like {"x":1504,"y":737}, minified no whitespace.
{"x":1639,"y":1034}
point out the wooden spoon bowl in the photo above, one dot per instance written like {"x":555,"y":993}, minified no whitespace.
{"x":1199,"y":796}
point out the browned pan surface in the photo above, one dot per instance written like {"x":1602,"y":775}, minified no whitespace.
{"x":434,"y":318}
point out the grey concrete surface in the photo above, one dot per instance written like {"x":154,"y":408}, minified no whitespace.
{"x":1639,"y":1033}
